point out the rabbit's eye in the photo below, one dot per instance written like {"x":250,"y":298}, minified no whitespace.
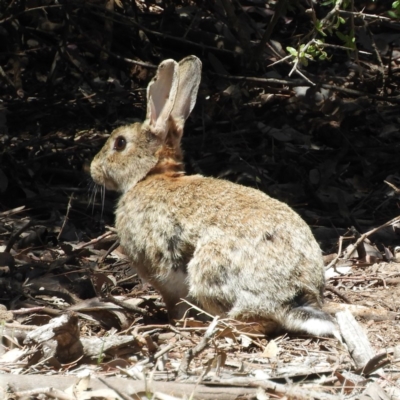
{"x":120,"y":143}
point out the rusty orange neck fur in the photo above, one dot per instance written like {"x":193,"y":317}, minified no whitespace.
{"x":168,"y":164}
{"x":170,"y":154}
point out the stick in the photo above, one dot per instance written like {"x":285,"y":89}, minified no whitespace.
{"x":195,"y":351}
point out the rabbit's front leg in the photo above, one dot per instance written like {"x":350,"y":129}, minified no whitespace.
{"x":174,"y":289}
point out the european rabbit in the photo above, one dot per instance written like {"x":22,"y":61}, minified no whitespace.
{"x":231,"y":249}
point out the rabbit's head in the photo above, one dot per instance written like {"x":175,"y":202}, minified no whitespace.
{"x":132,"y":152}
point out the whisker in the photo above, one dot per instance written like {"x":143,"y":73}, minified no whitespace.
{"x":94,"y":197}
{"x":91,"y":187}
{"x":103,"y":197}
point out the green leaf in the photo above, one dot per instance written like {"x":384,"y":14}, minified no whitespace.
{"x":341,"y":36}
{"x":292,"y":51}
{"x":318,"y":24}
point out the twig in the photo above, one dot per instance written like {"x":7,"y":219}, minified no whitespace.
{"x":381,"y":68}
{"x":130,"y":387}
{"x":369,"y":367}
{"x":118,"y":57}
{"x":125,"y":305}
{"x":228,"y":323}
{"x":131,"y":21}
{"x":163,"y":396}
{"x":5,"y":76}
{"x":394,"y":187}
{"x":339,"y":253}
{"x":372,"y":231}
{"x":94,"y":241}
{"x":157,"y":355}
{"x":303,"y":82}
{"x":195,"y":351}
{"x":304,"y":77}
{"x":50,"y":392}
{"x":279,"y":8}
{"x":290,"y":391}
{"x":362,"y":15}
{"x":119,"y":393}
{"x":288,"y":82}
{"x":14,"y":237}
{"x":331,"y":13}
{"x":66,"y":216}
{"x":353,"y":30}
{"x":11,"y":212}
{"x":164,"y":350}
{"x":109,"y":251}
{"x":29,"y":310}
{"x":280,"y":61}
{"x":338,"y":293}
{"x":374,"y":364}
{"x":15,"y":16}
{"x":353,"y":92}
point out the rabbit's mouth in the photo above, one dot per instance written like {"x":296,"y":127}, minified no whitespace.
{"x":108,"y":183}
{"x":101,"y":178}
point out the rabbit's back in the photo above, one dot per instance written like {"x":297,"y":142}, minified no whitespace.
{"x":233,"y":249}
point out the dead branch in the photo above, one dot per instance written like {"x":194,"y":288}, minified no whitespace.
{"x":48,"y":391}
{"x":128,"y":386}
{"x":94,"y":241}
{"x":115,"y":389}
{"x":125,"y":305}
{"x":372,"y":231}
{"x":368,"y":313}
{"x":279,"y":8}
{"x":290,"y":390}
{"x":14,"y":237}
{"x":357,"y":341}
{"x":195,"y":351}
{"x":338,"y":293}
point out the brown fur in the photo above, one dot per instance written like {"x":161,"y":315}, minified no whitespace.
{"x":231,"y":249}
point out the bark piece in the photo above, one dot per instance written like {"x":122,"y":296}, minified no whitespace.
{"x":356,"y":339}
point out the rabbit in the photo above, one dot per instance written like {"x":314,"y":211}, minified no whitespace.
{"x":232,"y":250}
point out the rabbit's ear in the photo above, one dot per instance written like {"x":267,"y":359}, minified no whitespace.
{"x":189,"y":80}
{"x":161,"y":95}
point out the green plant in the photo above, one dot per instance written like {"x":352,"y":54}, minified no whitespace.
{"x":349,"y":40}
{"x":312,"y":51}
{"x":331,"y":24}
{"x":395,"y":11}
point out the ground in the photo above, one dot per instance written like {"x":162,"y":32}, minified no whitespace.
{"x":322,"y":137}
